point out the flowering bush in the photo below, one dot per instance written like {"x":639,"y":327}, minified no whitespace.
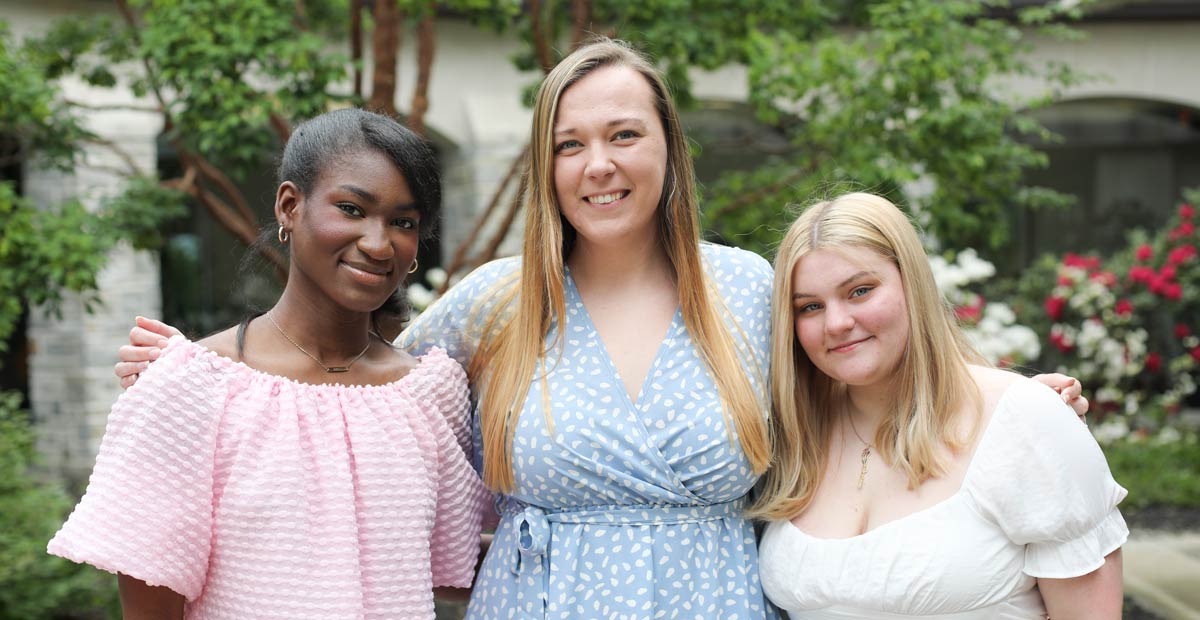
{"x":1126,"y":325}
{"x":991,"y":326}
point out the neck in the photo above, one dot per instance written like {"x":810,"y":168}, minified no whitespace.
{"x":631,"y":261}
{"x":322,"y":328}
{"x":868,"y":406}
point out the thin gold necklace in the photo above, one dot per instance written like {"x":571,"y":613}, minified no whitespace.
{"x":329,"y":369}
{"x":866,"y":452}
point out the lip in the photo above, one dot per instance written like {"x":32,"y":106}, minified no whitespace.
{"x":367,"y":274}
{"x":624,"y":193}
{"x":849,"y":346}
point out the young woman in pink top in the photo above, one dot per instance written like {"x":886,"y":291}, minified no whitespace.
{"x":298,"y":465}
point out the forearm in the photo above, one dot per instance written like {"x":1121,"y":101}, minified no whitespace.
{"x":1097,"y":595}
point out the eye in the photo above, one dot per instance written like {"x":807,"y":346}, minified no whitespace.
{"x":626,"y":134}
{"x":861,"y":290}
{"x":808,"y":308}
{"x":349,"y":209}
{"x":406,"y":223}
{"x":567,"y":144}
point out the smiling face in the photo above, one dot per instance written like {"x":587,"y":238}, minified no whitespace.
{"x":610,"y":156}
{"x":850,"y":315}
{"x":355,"y":234}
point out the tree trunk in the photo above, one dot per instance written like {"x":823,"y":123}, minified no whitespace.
{"x":356,"y":44}
{"x":385,"y":47}
{"x":425,"y":48}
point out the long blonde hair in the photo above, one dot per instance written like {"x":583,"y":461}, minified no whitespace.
{"x":513,"y":342}
{"x":931,"y":384}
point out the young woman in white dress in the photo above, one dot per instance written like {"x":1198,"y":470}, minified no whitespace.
{"x":910,"y":478}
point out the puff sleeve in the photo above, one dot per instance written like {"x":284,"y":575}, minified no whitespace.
{"x":455,"y":321}
{"x":1044,"y":481}
{"x":461,"y":495}
{"x":148,"y":508}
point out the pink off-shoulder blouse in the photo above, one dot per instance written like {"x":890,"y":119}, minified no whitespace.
{"x":256,"y":496}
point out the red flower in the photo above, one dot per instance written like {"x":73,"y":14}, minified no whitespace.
{"x":1141,"y":273}
{"x":1060,"y":342}
{"x":1184,"y":229}
{"x":1074,"y":260}
{"x":1167,"y":272}
{"x":1144,"y":252}
{"x":1195,"y":353}
{"x":1181,"y":254}
{"x":1124,"y":307}
{"x":1173,"y":291}
{"x":1186,"y":212}
{"x":1153,"y":362}
{"x":1182,"y":331}
{"x":1055,"y":306}
{"x":1065,"y":281}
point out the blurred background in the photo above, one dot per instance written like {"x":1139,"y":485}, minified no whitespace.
{"x":1049,"y":149}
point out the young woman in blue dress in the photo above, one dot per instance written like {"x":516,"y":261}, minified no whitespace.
{"x":619,"y":368}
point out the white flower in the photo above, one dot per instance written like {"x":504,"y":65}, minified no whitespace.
{"x":419,"y":296}
{"x":1113,"y":429}
{"x":436,"y":277}
{"x":1168,"y":434}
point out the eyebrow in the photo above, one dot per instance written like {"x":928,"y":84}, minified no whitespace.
{"x":616,"y":121}
{"x":852,"y":278}
{"x":360,"y":192}
{"x":367,"y":195}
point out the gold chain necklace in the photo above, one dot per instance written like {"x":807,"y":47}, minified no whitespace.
{"x":329,"y":369}
{"x":866,"y":452}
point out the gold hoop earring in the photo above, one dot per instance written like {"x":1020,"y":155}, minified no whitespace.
{"x":282,"y":235}
{"x":414,"y":267}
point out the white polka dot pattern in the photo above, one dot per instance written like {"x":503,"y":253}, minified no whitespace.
{"x":626,"y":510}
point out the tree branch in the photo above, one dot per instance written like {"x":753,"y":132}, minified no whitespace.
{"x":231,"y":191}
{"x":113,"y":107}
{"x":501,"y":233}
{"x":118,"y":151}
{"x":460,"y":253}
{"x":763,"y":192}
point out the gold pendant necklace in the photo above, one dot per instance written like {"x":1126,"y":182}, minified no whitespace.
{"x":329,"y":369}
{"x":866,"y":452}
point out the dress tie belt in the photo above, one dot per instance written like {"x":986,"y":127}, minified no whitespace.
{"x":533,"y":527}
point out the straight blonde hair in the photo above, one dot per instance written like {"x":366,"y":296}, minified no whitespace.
{"x":931,"y":384}
{"x":513,"y":341}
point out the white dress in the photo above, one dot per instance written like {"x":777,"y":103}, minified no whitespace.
{"x":1037,"y":500}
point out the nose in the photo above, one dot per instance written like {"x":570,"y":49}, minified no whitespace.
{"x":599,"y":162}
{"x":375,"y":242}
{"x":838,"y":319}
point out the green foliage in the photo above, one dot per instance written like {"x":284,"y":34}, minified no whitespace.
{"x":876,"y":94}
{"x":1157,"y":473}
{"x":34,"y":584}
{"x":29,"y":112}
{"x":46,"y":251}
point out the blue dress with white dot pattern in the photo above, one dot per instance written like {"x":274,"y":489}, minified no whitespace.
{"x":625,"y":509}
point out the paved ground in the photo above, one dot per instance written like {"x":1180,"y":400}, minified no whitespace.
{"x":1162,"y":572}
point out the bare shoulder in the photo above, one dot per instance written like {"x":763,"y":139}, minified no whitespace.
{"x":223,"y":343}
{"x":993,"y":383}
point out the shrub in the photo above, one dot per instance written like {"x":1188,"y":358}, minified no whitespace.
{"x":34,"y":584}
{"x":1125,"y":325}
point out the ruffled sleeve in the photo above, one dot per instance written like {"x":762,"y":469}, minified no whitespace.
{"x":455,"y":321}
{"x":1041,"y":477}
{"x":148,"y":508}
{"x":461,"y":495}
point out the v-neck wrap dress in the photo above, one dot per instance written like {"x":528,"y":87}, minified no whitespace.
{"x":625,"y":509}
